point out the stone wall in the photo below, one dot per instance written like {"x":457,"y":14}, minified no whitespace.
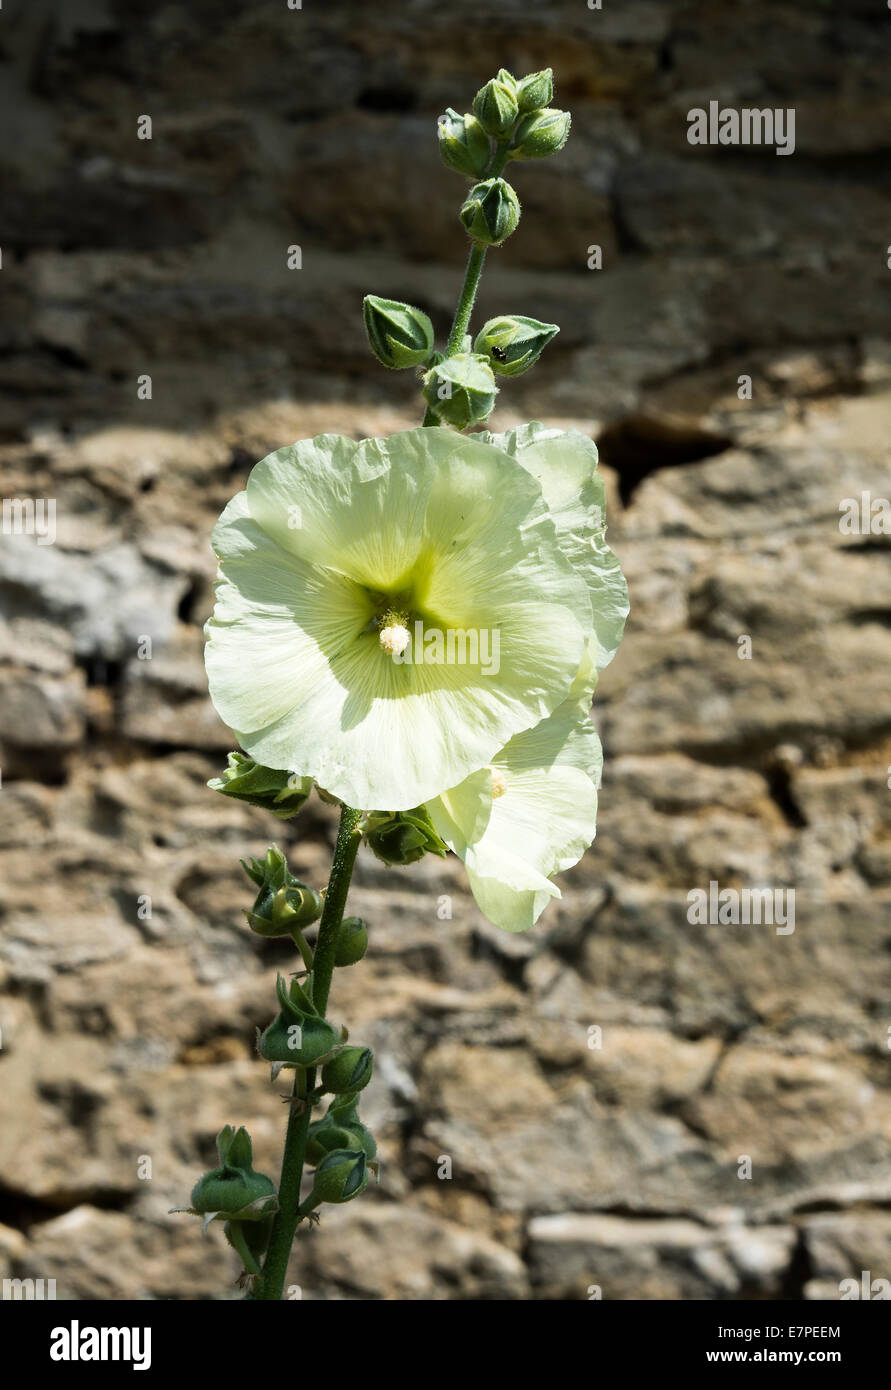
{"x":127,"y":1036}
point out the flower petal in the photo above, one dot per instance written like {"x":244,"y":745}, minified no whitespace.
{"x":565,"y":464}
{"x":543,"y":786}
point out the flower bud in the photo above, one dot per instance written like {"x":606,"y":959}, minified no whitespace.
{"x":513,"y":343}
{"x":399,"y":334}
{"x":234,"y":1188}
{"x":340,"y":1176}
{"x":402,"y":837}
{"x":324,"y":1137}
{"x":352,"y":941}
{"x":490,"y":212}
{"x":296,"y":1037}
{"x":541,"y":133}
{"x":282,"y":793}
{"x":535,"y":91}
{"x":495,"y":105}
{"x":463,"y":144}
{"x":343,"y":1111}
{"x":460,"y":391}
{"x":283,"y":903}
{"x":350,"y":1070}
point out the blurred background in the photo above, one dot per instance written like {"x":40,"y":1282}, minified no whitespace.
{"x":131,"y":987}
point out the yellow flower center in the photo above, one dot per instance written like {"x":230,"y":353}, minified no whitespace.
{"x":499,"y":786}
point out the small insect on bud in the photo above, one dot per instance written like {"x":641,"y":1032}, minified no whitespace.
{"x":541,"y":133}
{"x":463,"y":144}
{"x":400,"y":335}
{"x":490,"y":212}
{"x":514,"y":342}
{"x":495,"y":105}
{"x":461,"y":390}
{"x":535,"y":91}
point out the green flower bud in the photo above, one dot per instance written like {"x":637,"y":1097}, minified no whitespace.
{"x":324,"y":1137}
{"x":461,"y":391}
{"x":400,"y":335}
{"x":343,"y":1112}
{"x":535,"y":91}
{"x":283,"y":903}
{"x":403,"y":837}
{"x":340,"y":1176}
{"x":463,"y":144}
{"x":282,"y":793}
{"x":490,"y":212}
{"x":495,"y":105}
{"x":350,"y":1070}
{"x":296,"y":1037}
{"x":541,"y":133}
{"x":234,"y":1188}
{"x":352,"y":941}
{"x":513,"y":342}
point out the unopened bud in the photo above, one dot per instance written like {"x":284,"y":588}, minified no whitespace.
{"x":352,"y":941}
{"x":340,"y":1176}
{"x":490,"y":212}
{"x":349,"y":1071}
{"x":541,"y":133}
{"x":495,"y":106}
{"x":400,"y":335}
{"x":463,"y":144}
{"x":535,"y":91}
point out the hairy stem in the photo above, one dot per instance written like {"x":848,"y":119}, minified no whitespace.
{"x":275,"y":1266}
{"x":472,"y":275}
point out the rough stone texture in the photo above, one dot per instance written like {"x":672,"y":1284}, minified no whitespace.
{"x":622,"y":1099}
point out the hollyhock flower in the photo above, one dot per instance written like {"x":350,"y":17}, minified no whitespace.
{"x":528,"y":815}
{"x":328,"y":560}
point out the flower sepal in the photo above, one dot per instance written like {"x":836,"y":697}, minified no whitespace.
{"x":282,"y":793}
{"x":296,"y":1037}
{"x":402,"y":837}
{"x":234,"y":1191}
{"x":283,"y":904}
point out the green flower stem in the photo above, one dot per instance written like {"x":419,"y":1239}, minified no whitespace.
{"x":475,"y":262}
{"x":345,"y":851}
{"x":472,"y":275}
{"x":290,"y":1213}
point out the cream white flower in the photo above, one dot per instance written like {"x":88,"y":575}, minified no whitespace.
{"x":330,"y":539}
